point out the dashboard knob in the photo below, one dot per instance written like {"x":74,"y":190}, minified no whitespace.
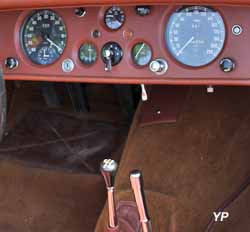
{"x":227,"y":65}
{"x":11,"y":63}
{"x":158,"y":66}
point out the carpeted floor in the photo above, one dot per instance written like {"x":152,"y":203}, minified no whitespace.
{"x":38,"y":200}
{"x":59,"y":138}
{"x":192,"y":167}
{"x":49,"y":160}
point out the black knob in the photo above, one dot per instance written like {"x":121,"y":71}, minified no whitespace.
{"x":80,"y":12}
{"x":11,"y":63}
{"x":143,"y":10}
{"x":112,"y":54}
{"x":227,"y":65}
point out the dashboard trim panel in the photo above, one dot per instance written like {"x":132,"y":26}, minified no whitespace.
{"x":31,"y":4}
{"x":126,"y":72}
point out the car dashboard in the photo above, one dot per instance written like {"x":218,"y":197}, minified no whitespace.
{"x":137,"y":44}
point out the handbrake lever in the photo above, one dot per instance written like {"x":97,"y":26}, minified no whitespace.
{"x":137,"y":187}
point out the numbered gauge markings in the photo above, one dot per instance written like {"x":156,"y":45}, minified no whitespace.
{"x":114,"y":18}
{"x":195,"y":35}
{"x":43,"y":37}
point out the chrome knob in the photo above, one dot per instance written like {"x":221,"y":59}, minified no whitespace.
{"x":227,"y":65}
{"x":108,"y":169}
{"x":11,"y":63}
{"x":158,"y":66}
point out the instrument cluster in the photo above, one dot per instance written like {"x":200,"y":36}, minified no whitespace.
{"x":44,"y":37}
{"x":155,"y":42}
{"x":194,"y":35}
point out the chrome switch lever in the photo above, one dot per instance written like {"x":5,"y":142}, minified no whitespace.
{"x":108,"y":169}
{"x":108,"y":62}
{"x":137,"y":187}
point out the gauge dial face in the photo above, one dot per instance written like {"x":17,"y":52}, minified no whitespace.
{"x":88,"y":53}
{"x":195,"y":35}
{"x":141,"y":54}
{"x":44,"y":37}
{"x":115,"y":51}
{"x":114,"y":18}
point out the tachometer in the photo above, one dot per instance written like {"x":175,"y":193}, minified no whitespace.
{"x":195,"y":35}
{"x":44,"y":37}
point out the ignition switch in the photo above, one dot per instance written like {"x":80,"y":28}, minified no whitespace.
{"x":112,"y":55}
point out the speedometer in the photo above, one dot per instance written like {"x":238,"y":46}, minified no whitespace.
{"x":195,"y":35}
{"x":44,"y":37}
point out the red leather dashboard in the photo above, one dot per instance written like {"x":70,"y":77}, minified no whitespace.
{"x":149,"y":29}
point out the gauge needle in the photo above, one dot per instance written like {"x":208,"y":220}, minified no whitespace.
{"x":137,"y":54}
{"x":90,"y":51}
{"x":52,"y":43}
{"x":185,"y":45}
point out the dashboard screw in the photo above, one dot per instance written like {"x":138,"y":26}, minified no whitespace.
{"x":237,"y":29}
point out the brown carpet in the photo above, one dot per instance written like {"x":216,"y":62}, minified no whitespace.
{"x":60,"y":138}
{"x":53,"y":139}
{"x":197,"y":163}
{"x":47,"y":157}
{"x":239,"y":215}
{"x":39,"y":200}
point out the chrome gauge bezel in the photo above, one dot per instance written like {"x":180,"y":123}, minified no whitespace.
{"x":95,"y":50}
{"x":170,"y":49}
{"x":109,"y":10}
{"x":149,"y":49}
{"x":21,"y":37}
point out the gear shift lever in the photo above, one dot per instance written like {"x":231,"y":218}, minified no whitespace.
{"x":137,"y":186}
{"x":108,"y":169}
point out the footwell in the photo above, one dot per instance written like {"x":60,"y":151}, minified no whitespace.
{"x":51,"y":139}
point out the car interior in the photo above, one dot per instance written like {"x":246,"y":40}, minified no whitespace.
{"x":124,"y":116}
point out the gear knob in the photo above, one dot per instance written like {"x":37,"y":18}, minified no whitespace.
{"x":108,"y":169}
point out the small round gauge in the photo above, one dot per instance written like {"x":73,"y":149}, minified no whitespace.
{"x":43,"y":37}
{"x":45,"y":55}
{"x":114,"y":18}
{"x":112,"y":52}
{"x":195,"y":35}
{"x":88,"y":53}
{"x":141,"y":54}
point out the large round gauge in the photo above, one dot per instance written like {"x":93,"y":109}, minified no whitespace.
{"x":44,"y":37}
{"x":195,"y":35}
{"x":88,"y":53}
{"x":141,"y":54}
{"x":114,"y":18}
